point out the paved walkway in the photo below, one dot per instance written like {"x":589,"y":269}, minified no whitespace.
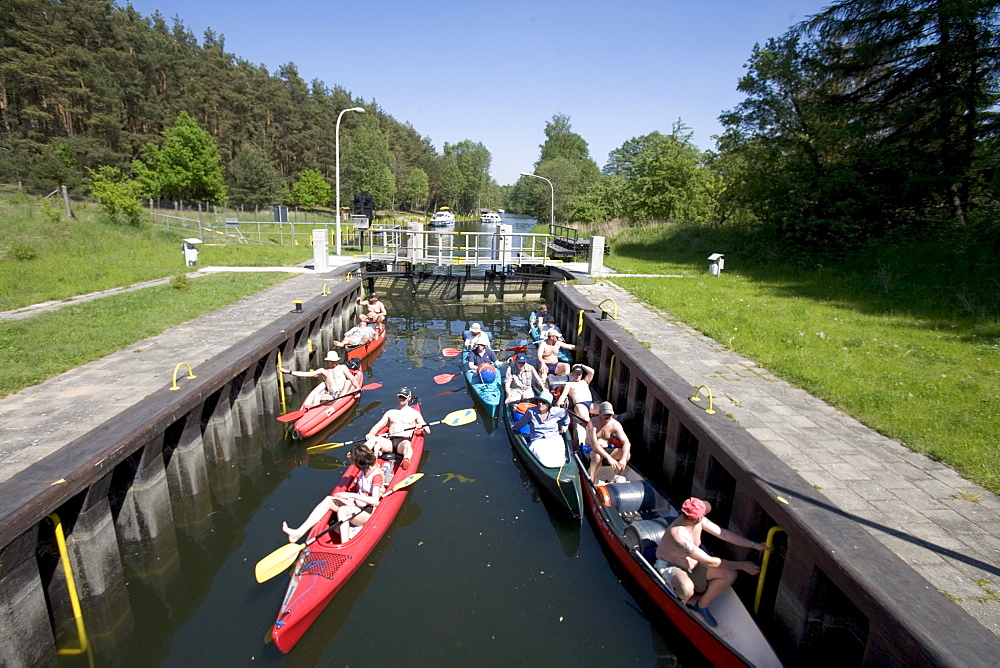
{"x":42,"y":419}
{"x":945,"y":527}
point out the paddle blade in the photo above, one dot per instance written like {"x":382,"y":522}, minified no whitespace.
{"x":451,"y":352}
{"x":443,"y":378}
{"x":370,"y":386}
{"x":441,"y":394}
{"x":458,"y":418}
{"x":517,"y":349}
{"x":324,"y":447}
{"x":277,"y":562}
{"x":293,"y":416}
{"x":406,"y":482}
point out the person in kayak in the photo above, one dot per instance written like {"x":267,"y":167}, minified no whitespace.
{"x":475,"y":335}
{"x":539,"y":317}
{"x":376,"y":313}
{"x":402,"y":422}
{"x":607,"y":441}
{"x":687,"y":568}
{"x":359,"y":335}
{"x":352,"y":507}
{"x":481,"y":354}
{"x":338,"y":380}
{"x":548,"y":355}
{"x":577,"y":391}
{"x":521,"y":379}
{"x":547,"y":424}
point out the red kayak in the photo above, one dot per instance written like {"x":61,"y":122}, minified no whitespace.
{"x":325,"y":565}
{"x":363,"y":351}
{"x":318,"y":418}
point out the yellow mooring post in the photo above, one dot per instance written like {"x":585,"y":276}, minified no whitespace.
{"x":281,"y":386}
{"x":74,"y":596}
{"x":174,"y":386}
{"x":696,"y":397}
{"x":763,"y":566}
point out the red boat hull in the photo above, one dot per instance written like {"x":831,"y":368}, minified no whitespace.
{"x":327,"y":564}
{"x":361,"y":352}
{"x":318,"y":418}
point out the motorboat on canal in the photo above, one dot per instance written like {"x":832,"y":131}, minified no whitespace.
{"x":490,"y":218}
{"x":327,"y":563}
{"x":561,"y":483}
{"x":630,"y":517}
{"x":319,"y":417}
{"x":442,"y":217}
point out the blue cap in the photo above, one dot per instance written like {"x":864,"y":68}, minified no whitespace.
{"x":521,"y":357}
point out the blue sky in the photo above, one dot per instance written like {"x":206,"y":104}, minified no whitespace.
{"x":496,"y":72}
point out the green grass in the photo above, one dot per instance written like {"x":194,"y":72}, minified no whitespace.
{"x":37,"y":348}
{"x":899,"y":354}
{"x":45,"y":257}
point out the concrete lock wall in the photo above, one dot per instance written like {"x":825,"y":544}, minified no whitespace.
{"x":831,"y":588}
{"x":134,"y":485}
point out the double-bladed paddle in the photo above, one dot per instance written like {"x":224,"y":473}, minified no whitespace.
{"x":296,"y":414}
{"x":279,"y":560}
{"x":453,"y":419}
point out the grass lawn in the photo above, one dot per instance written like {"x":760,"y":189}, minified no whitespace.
{"x":887,"y":349}
{"x":47,"y":344}
{"x":45,"y":257}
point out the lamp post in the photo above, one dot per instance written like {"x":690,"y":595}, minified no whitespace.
{"x":552,"y":214}
{"x":360,"y":110}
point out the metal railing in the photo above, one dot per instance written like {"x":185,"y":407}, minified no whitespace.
{"x":457,"y":248}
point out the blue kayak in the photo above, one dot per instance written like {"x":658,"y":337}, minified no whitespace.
{"x":488,"y":393}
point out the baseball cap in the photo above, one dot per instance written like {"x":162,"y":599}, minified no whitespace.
{"x":546,"y":396}
{"x":607,"y":408}
{"x":521,"y":357}
{"x":577,"y":368}
{"x":404,"y":392}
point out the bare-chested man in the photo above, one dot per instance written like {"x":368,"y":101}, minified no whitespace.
{"x":608,"y":441}
{"x":576,"y":391}
{"x":376,"y":312}
{"x":402,"y":422}
{"x":338,"y":381}
{"x":687,"y":567}
{"x":548,"y":355}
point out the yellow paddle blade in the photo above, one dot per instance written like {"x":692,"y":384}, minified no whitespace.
{"x":408,"y":480}
{"x":323,"y":447}
{"x":457,"y":418}
{"x":277,"y":562}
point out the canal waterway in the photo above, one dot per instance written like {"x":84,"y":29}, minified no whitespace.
{"x":476,"y":570}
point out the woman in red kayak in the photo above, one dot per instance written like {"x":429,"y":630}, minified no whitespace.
{"x":354,"y":506}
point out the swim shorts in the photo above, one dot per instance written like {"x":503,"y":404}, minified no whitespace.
{"x":698,"y":574}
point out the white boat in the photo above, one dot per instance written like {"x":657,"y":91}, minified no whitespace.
{"x":490,"y":218}
{"x":442,"y":217}
{"x":501,"y":211}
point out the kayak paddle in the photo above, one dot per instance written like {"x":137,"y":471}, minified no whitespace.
{"x":295,"y":415}
{"x":453,"y":419}
{"x":279,"y":560}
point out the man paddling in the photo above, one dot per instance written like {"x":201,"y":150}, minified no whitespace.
{"x":401,"y":422}
{"x":337,"y":381}
{"x":686,"y":567}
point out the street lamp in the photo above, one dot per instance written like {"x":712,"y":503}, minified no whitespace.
{"x":360,"y":110}
{"x":552,"y":215}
